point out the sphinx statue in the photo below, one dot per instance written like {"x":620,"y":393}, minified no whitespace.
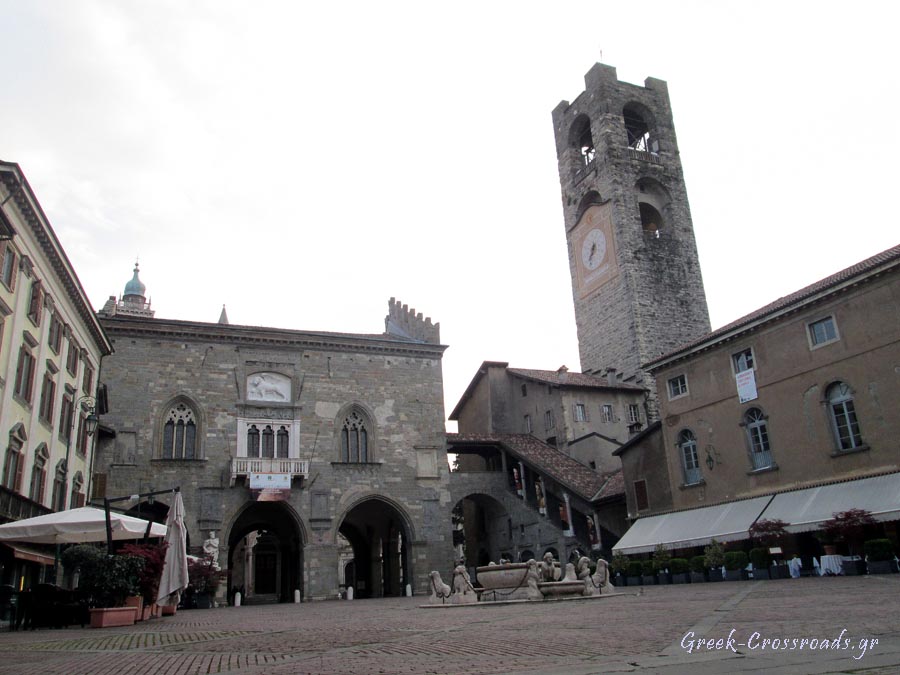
{"x":463,"y":592}
{"x":439,"y":590}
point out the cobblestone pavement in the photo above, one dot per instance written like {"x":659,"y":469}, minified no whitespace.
{"x":616,"y":634}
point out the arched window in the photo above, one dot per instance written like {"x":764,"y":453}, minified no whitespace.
{"x":180,"y":433}
{"x":282,"y":445}
{"x":582,"y":140}
{"x":758,"y":436}
{"x":253,"y":441}
{"x":637,"y":127}
{"x":653,"y":200}
{"x":59,"y":487}
{"x":843,"y":416}
{"x":354,"y":434}
{"x":39,"y":474}
{"x":77,"y":498}
{"x":687,"y":446}
{"x":268,"y":442}
{"x":14,"y":462}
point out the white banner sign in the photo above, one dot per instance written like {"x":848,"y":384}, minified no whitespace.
{"x":264,"y":481}
{"x":746,"y":385}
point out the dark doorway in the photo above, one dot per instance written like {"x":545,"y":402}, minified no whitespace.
{"x":380,"y":539}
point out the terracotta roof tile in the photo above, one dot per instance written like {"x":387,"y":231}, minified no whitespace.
{"x":859,"y":269}
{"x":570,"y":379}
{"x":587,"y":484}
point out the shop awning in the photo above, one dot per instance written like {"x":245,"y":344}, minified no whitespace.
{"x":31,"y":554}
{"x":694,"y":527}
{"x":809,"y":508}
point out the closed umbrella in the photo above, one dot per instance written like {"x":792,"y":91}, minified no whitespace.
{"x":175,"y":569}
{"x":77,"y":526}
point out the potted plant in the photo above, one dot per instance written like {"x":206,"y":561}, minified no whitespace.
{"x":735,"y":562}
{"x":714,"y":558}
{"x":661,"y":559}
{"x":680,"y":570}
{"x":761,"y":560}
{"x":648,"y":572}
{"x":635,"y":570}
{"x":154,"y":557}
{"x":204,"y":577}
{"x":771,"y":534}
{"x":848,"y":526}
{"x":105,"y":581}
{"x":880,"y":556}
{"x":619,"y":567}
{"x":698,"y":569}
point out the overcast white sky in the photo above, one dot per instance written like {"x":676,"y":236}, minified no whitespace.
{"x":303,"y":162}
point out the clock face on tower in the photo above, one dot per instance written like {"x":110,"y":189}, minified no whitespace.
{"x":593,"y":249}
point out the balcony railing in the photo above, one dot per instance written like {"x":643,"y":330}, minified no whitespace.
{"x":692,"y":476}
{"x":244,"y":466}
{"x":762,"y":460}
{"x":14,"y":506}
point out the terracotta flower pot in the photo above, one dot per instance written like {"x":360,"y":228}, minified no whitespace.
{"x":106,"y":617}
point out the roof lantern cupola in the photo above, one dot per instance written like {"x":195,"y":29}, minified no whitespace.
{"x":135,"y":289}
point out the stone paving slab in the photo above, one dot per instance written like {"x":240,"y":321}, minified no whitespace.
{"x":631,"y":633}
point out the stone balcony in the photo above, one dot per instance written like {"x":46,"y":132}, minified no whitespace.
{"x":244,"y":466}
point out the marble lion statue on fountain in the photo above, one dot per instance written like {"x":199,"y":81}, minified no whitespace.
{"x":549,"y":569}
{"x":597,"y":583}
{"x":532,"y":578}
{"x":440,"y":591}
{"x":463,"y":592}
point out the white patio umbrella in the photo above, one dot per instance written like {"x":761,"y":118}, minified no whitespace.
{"x":175,"y":568}
{"x":77,"y":526}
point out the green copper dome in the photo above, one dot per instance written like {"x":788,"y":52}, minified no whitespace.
{"x":135,"y":287}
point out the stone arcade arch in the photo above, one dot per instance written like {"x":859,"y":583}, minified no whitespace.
{"x":487,"y":529}
{"x":265,"y":552}
{"x":381,"y":536}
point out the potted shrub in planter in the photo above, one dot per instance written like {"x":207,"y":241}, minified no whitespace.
{"x":714,"y":558}
{"x":661,"y":559}
{"x":635,"y":570}
{"x":735,"y":562}
{"x":648,"y":573}
{"x":619,"y":567}
{"x":204,"y":577}
{"x":848,"y":526}
{"x":154,"y":557}
{"x":698,"y":569}
{"x":880,"y":556}
{"x":761,"y":560}
{"x":680,"y":571}
{"x":769,"y":533}
{"x":106,"y":581}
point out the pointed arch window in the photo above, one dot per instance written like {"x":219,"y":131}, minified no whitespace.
{"x":77,"y":498}
{"x":755,"y":422}
{"x":687,"y":446}
{"x":14,"y":462}
{"x":842,"y":412}
{"x":59,"y":487}
{"x":355,"y":438}
{"x":268,"y":442}
{"x":253,"y":441}
{"x":39,"y":474}
{"x":180,"y":433}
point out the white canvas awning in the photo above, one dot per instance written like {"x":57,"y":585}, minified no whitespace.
{"x":77,"y":526}
{"x":808,"y":509}
{"x":694,"y":527}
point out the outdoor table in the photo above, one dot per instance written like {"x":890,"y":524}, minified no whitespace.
{"x":831,"y":564}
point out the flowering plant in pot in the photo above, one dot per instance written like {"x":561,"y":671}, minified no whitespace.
{"x":154,"y":559}
{"x":204,"y":577}
{"x":848,"y":526}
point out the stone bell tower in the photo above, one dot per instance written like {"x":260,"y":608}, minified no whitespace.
{"x":636,"y":278}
